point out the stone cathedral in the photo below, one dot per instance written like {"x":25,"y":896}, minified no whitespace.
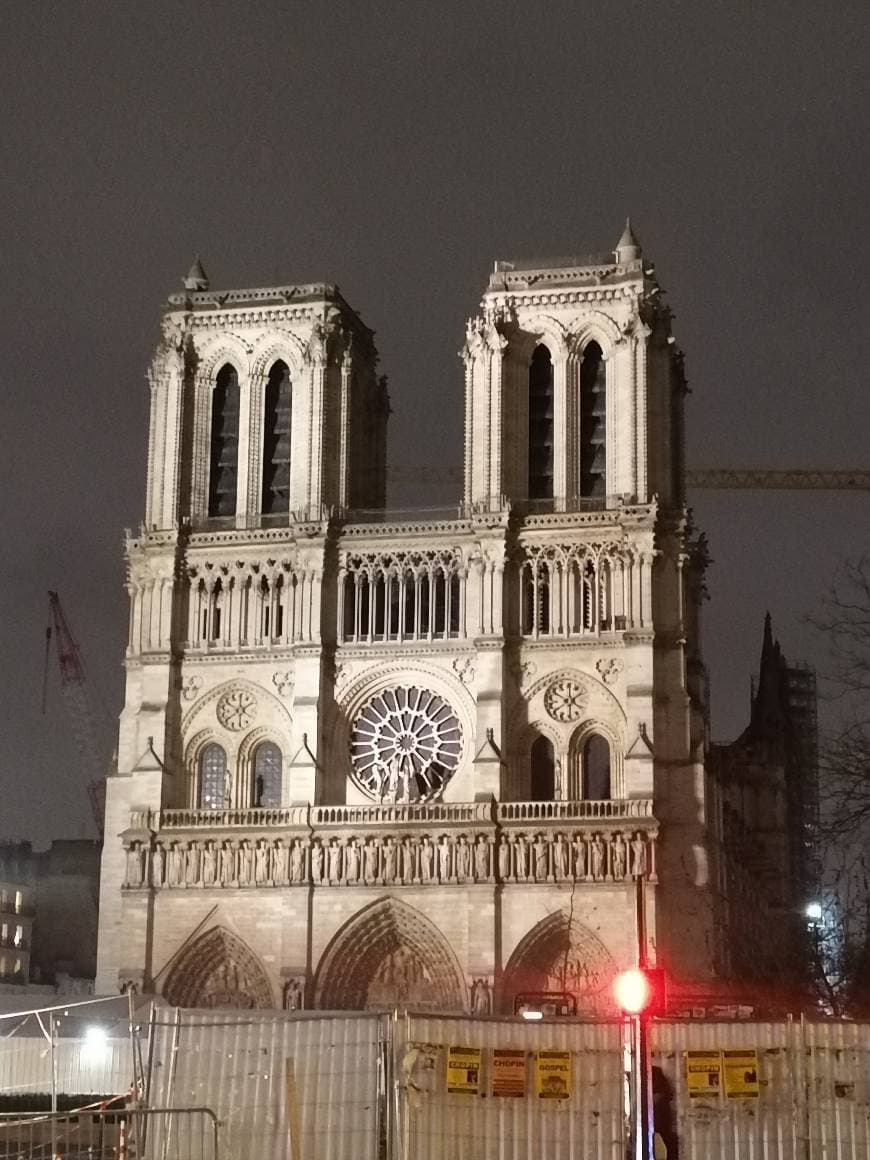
{"x":367,"y":761}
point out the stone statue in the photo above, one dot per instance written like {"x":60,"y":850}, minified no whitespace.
{"x":579,"y":845}
{"x":481,"y":858}
{"x":226,"y":862}
{"x":504,"y":860}
{"x":191,"y":864}
{"x":261,"y":863}
{"x":426,"y":859}
{"x":351,"y":858}
{"x":135,"y":864}
{"x":407,"y":852}
{"x":617,"y":856}
{"x":521,"y":851}
{"x":463,"y":859}
{"x":444,"y":859}
{"x":209,"y":868}
{"x":596,"y":858}
{"x":246,"y":863}
{"x":297,"y":861}
{"x":278,"y":859}
{"x":560,"y":858}
{"x":293,"y":995}
{"x":638,"y":855}
{"x":541,"y":859}
{"x":481,"y":997}
{"x":334,"y":861}
{"x":175,"y":865}
{"x":316,"y":862}
{"x":390,"y":860}
{"x":370,"y":861}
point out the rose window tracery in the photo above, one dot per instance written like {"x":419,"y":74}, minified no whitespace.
{"x":237,"y":709}
{"x":405,"y":745}
{"x":565,"y":700}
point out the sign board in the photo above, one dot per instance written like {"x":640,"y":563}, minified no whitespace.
{"x":704,"y":1074}
{"x":508,"y":1073}
{"x":553,"y":1075}
{"x":463,"y":1070}
{"x":741,"y":1074}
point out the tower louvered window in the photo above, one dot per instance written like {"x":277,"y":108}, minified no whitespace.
{"x":223,"y":475}
{"x":541,"y":425}
{"x":276,"y":442}
{"x":593,"y":422}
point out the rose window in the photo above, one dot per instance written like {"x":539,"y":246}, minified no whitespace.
{"x":565,"y":699}
{"x":405,"y":745}
{"x":237,"y":709}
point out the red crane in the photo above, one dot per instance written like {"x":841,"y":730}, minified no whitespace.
{"x":75,"y":694}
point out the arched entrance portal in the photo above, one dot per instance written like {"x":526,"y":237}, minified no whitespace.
{"x":389,"y":955}
{"x":559,"y":955}
{"x":218,"y":970}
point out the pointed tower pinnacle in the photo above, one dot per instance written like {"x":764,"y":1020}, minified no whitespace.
{"x":628,"y":247}
{"x":196,"y":278}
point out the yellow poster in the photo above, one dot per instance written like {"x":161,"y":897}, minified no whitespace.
{"x":704,"y":1074}
{"x":553,"y":1075}
{"x":741,"y":1074}
{"x":463,"y":1070}
{"x":508,"y":1073}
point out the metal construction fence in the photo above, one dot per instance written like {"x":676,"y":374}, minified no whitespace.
{"x":195,"y":1085}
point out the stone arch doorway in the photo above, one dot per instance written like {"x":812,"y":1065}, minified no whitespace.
{"x":218,"y":970}
{"x":561,"y":955}
{"x":389,"y":955}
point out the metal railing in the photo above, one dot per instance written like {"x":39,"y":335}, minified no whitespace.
{"x":111,"y":1133}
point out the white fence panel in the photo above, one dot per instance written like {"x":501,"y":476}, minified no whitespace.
{"x":435,"y":1124}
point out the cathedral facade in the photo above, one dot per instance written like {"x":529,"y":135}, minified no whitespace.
{"x":367,"y":762}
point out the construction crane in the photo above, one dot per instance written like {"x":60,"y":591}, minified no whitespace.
{"x":75,"y":694}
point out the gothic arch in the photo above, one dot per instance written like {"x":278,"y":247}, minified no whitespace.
{"x":389,"y":954}
{"x":218,"y":969}
{"x":579,"y":737}
{"x":273,"y":346}
{"x":540,"y":330}
{"x":599,"y":328}
{"x":223,"y":348}
{"x":561,"y":954}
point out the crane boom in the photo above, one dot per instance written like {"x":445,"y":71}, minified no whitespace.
{"x":785,"y":479}
{"x":74,"y":689}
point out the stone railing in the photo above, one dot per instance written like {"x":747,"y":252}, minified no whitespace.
{"x":396,"y":845}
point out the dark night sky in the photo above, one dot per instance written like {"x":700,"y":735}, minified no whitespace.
{"x":396,"y":149}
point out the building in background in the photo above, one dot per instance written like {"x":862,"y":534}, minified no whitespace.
{"x":770,"y":871}
{"x":16,"y":912}
{"x":366,"y":760}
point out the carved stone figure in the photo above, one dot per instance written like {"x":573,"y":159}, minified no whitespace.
{"x":351,"y":859}
{"x":293,"y":992}
{"x":638,"y":855}
{"x":541,"y":859}
{"x":261,"y":867}
{"x":246,"y":864}
{"x":226,"y":862}
{"x":278,"y":859}
{"x":481,"y":858}
{"x":579,"y":845}
{"x":481,"y":997}
{"x":370,"y":861}
{"x":560,"y":857}
{"x":504,"y":859}
{"x":407,"y":851}
{"x":297,"y":861}
{"x":521,"y":854}
{"x":135,"y":865}
{"x":596,"y":858}
{"x":390,"y":860}
{"x":427,"y":856}
{"x":316,"y":862}
{"x":209,"y":866}
{"x":175,"y":865}
{"x":333,"y":861}
{"x":191,"y":864}
{"x":444,"y":859}
{"x":463,"y":859}
{"x":617,"y":856}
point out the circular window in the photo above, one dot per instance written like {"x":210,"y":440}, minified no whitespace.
{"x":405,"y":745}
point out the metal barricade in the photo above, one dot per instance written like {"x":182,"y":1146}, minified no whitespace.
{"x":111,"y":1133}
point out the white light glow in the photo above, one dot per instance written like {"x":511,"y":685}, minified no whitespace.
{"x":814,"y":910}
{"x":96,"y":1040}
{"x":532,"y":1014}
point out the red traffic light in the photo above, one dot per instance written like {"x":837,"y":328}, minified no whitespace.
{"x":640,"y":990}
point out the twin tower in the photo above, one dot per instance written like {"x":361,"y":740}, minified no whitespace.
{"x":365,"y":762}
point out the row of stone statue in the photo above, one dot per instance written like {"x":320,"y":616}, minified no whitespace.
{"x":409,"y":859}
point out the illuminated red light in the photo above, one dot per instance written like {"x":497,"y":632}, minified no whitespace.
{"x":632,"y":991}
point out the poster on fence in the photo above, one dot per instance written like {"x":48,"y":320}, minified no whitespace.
{"x":508,"y":1072}
{"x":553,"y":1075}
{"x":741,"y":1074}
{"x":463,"y":1070}
{"x":704,"y":1074}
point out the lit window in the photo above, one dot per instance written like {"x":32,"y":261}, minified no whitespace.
{"x":212,"y":777}
{"x":19,"y":902}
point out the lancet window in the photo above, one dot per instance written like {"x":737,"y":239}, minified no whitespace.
{"x":573,"y":591}
{"x":224,"y":459}
{"x":277,"y":417}
{"x":402,"y":596}
{"x":593,"y":423}
{"x":541,"y":424}
{"x":596,"y":768}
{"x":266,"y":776}
{"x":212,"y":777}
{"x":246,"y":606}
{"x":542,"y":762}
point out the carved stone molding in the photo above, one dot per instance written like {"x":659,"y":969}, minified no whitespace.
{"x":237,"y":709}
{"x":565,"y":699}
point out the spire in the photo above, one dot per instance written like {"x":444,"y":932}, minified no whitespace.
{"x":196,"y":278}
{"x":628,"y":247}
